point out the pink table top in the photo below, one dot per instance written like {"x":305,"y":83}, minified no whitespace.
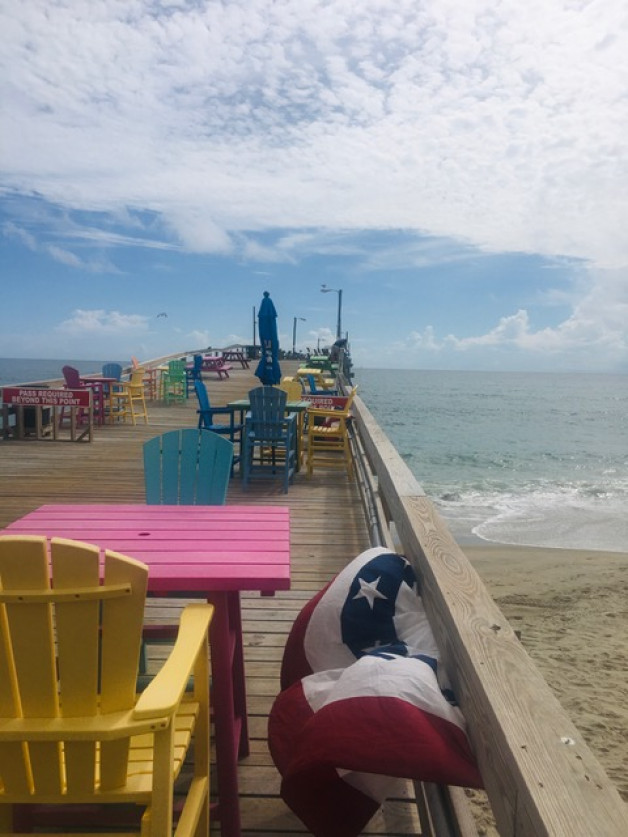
{"x":187,"y":548}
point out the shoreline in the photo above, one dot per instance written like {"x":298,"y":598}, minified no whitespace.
{"x":571,"y":609}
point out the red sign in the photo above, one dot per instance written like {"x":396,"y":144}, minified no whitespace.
{"x":33,"y":397}
{"x":327,"y":402}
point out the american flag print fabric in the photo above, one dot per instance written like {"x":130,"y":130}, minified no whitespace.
{"x":372,"y":603}
{"x":363,"y":700}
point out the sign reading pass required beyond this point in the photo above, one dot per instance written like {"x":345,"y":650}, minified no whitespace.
{"x":32,"y":397}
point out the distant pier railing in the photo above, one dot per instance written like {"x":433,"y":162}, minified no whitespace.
{"x":540,"y":776}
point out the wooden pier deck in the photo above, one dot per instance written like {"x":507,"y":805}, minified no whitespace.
{"x":328,"y":529}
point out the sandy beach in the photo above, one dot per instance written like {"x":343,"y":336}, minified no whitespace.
{"x":571,"y":607}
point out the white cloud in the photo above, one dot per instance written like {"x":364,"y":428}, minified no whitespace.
{"x":12,"y":230}
{"x":500,"y":124}
{"x":594,"y":336}
{"x":59,"y":254}
{"x":425,"y":340}
{"x":100,"y":322}
{"x":256,"y":252}
{"x":597,"y":324}
{"x":199,"y":339}
{"x":318,"y":337}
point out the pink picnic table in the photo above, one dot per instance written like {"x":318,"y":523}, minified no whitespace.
{"x":210,"y":551}
{"x":216,"y":363}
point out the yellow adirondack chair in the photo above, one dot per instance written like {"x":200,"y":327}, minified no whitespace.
{"x":328,"y":438}
{"x":71,"y":727}
{"x":293,"y":389}
{"x":127,"y":398}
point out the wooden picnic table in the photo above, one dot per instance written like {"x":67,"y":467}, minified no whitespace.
{"x":236,"y":356}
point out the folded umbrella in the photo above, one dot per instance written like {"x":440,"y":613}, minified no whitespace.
{"x":268,"y":370}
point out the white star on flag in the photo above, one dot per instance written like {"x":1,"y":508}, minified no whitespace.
{"x":369,"y":591}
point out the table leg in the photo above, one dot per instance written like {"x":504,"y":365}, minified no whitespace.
{"x":299,"y":439}
{"x":229,"y":703}
{"x":239,"y":680}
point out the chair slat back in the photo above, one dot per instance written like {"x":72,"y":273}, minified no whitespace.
{"x":90,"y":669}
{"x":293,"y":390}
{"x":312,"y":384}
{"x":214,"y":470}
{"x":136,"y":380}
{"x":188,"y":467}
{"x":112,"y":370}
{"x":197,"y":366}
{"x":268,"y":408}
{"x":350,"y":398}
{"x":72,"y":377}
{"x":201,"y":394}
{"x":28,"y":677}
{"x":176,"y":370}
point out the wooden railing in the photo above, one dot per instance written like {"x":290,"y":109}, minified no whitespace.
{"x":540,"y":776}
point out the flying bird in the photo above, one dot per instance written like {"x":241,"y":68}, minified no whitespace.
{"x":163,"y":314}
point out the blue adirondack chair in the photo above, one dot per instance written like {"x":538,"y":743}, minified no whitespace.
{"x":231,"y":429}
{"x":269,"y":436}
{"x":314,"y":389}
{"x":187,"y":467}
{"x":112,"y":370}
{"x":193,"y":373}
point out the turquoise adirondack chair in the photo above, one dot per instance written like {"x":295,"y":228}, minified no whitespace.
{"x":183,"y":467}
{"x":187,"y":467}
{"x":269,"y":437}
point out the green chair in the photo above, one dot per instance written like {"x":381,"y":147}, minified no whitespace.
{"x":174,"y":382}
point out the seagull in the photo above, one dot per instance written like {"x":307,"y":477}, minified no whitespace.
{"x":163,"y":314}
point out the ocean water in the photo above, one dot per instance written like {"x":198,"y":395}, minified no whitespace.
{"x":517,"y":458}
{"x":23,"y":370}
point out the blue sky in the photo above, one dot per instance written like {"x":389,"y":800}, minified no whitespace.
{"x":459,"y":170}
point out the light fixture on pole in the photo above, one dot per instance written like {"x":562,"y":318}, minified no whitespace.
{"x":326,"y":290}
{"x":294,"y":333}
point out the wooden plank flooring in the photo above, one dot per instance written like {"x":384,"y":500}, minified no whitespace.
{"x":327,"y":531}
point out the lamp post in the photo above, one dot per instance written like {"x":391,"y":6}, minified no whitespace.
{"x":294,"y":333}
{"x":326,"y":290}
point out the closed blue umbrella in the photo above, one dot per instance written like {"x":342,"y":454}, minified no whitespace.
{"x":268,"y":370}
